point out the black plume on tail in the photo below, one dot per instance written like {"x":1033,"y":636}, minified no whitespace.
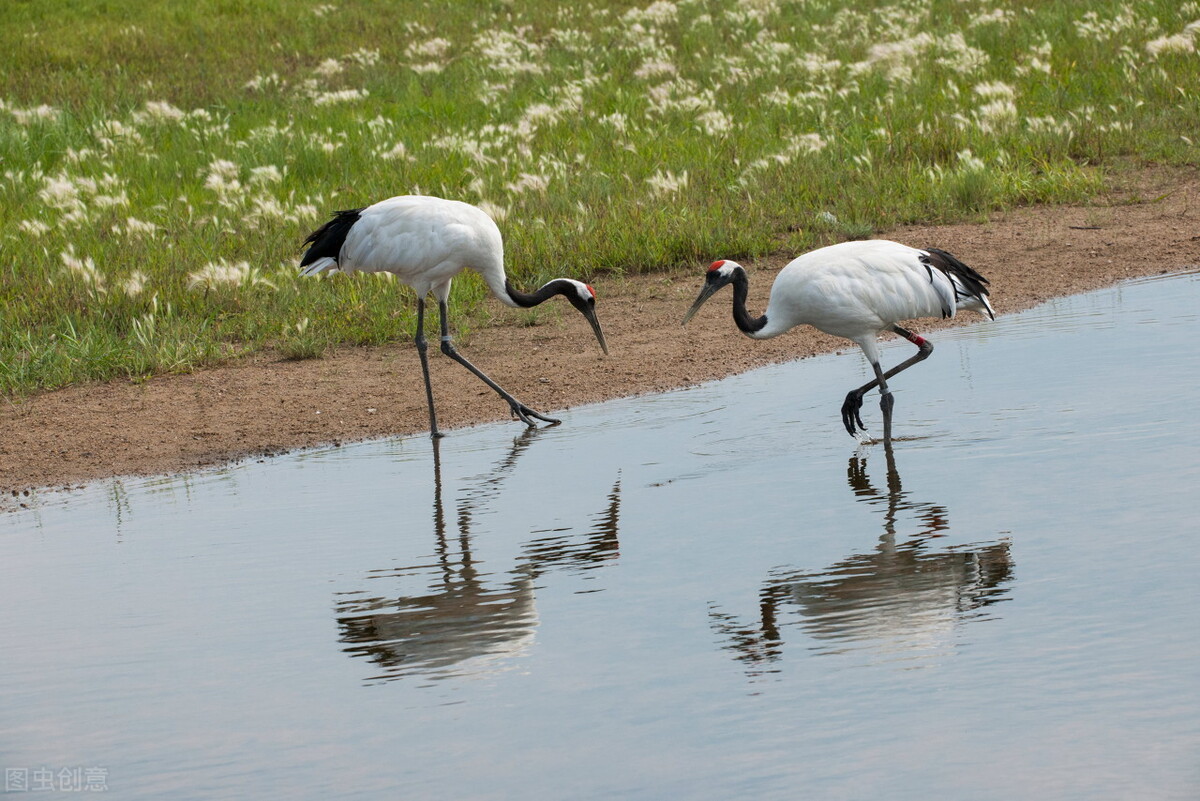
{"x":327,"y":240}
{"x":971,"y":281}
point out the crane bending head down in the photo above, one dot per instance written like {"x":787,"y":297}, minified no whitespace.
{"x":425,"y":242}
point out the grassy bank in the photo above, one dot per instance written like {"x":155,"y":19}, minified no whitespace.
{"x":162,"y":162}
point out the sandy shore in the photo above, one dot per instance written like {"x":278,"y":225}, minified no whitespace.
{"x":1145,"y":226}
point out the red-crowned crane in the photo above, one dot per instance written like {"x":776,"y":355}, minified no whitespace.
{"x":426,"y":241}
{"x":857,"y":290}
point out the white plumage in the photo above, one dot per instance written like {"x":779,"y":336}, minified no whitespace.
{"x":426,"y":241}
{"x":857,"y":290}
{"x":423,"y":241}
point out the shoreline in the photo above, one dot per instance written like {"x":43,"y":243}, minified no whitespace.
{"x":264,"y":406}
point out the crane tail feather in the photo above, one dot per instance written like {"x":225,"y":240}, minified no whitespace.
{"x":327,"y":242}
{"x":970,"y":288}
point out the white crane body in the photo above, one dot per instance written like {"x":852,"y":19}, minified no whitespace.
{"x":858,"y":290}
{"x":425,"y":242}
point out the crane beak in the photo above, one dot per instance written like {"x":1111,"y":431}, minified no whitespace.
{"x":705,"y":293}
{"x":590,"y":314}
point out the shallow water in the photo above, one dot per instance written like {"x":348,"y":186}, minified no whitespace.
{"x":710,"y":593}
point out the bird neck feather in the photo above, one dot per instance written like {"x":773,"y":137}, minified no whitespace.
{"x":741,"y":291}
{"x":528,"y":299}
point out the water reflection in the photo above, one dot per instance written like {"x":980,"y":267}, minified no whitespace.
{"x":901,"y":600}
{"x":470,"y":621}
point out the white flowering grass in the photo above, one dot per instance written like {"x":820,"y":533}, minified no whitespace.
{"x":153,"y":213}
{"x":220,"y":273}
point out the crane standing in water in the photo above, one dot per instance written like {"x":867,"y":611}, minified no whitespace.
{"x":426,"y":241}
{"x":857,"y":290}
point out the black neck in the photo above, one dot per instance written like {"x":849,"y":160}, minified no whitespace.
{"x":741,"y":291}
{"x":527,"y":299}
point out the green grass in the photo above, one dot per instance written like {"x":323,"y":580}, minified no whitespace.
{"x":162,"y":162}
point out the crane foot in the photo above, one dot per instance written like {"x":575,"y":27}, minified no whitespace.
{"x":851,"y":409}
{"x":527,"y":415}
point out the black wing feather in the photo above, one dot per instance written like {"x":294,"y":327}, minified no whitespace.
{"x":974,"y":283}
{"x":327,"y":240}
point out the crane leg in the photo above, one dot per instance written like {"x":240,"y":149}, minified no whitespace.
{"x":519,"y":410}
{"x":422,"y":347}
{"x":886,"y":401}
{"x":853,"y":404}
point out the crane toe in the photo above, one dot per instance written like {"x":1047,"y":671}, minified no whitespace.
{"x":527,"y":415}
{"x":851,"y":416}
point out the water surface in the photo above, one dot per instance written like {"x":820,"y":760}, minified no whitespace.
{"x":710,"y":593}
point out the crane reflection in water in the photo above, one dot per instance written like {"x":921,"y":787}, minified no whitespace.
{"x":469,"y":621}
{"x":902,"y":600}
